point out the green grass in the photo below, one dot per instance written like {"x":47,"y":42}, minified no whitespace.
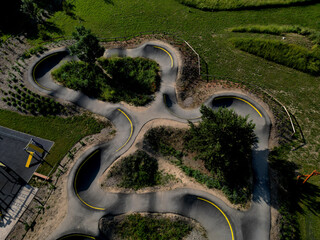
{"x":213,"y":5}
{"x":279,"y":30}
{"x":208,"y":33}
{"x":65,"y":132}
{"x":138,"y":227}
{"x":290,"y":55}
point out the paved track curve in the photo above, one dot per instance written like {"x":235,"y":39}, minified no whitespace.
{"x":87,"y":202}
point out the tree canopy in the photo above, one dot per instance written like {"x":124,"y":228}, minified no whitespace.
{"x":87,"y":46}
{"x":224,"y":141}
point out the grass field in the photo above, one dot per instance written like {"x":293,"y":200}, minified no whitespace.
{"x":207,"y":33}
{"x":65,"y":132}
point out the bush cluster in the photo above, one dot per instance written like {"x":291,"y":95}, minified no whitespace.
{"x":137,"y":171}
{"x":158,"y":138}
{"x":212,"y":5}
{"x":133,"y":80}
{"x":136,"y":226}
{"x":27,"y":101}
{"x":81,"y":76}
{"x":280,"y":29}
{"x":286,"y":54}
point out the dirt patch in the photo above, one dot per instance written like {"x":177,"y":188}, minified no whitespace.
{"x":183,"y":181}
{"x":46,"y":215}
{"x":108,"y":223}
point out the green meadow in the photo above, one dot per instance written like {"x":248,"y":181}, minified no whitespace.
{"x":209,"y":34}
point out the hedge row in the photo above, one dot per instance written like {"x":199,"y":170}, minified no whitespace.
{"x":280,"y":29}
{"x":212,"y":5}
{"x":290,"y":55}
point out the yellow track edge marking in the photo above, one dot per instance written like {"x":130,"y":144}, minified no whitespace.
{"x":130,"y":131}
{"x":75,"y":184}
{"x":243,"y":101}
{"x":34,"y":69}
{"x":77,"y":235}
{"x":167,"y":53}
{"x":222,"y":214}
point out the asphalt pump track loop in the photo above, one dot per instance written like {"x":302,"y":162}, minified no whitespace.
{"x":87,"y":202}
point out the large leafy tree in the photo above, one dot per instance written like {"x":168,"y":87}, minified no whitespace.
{"x":224,"y":141}
{"x":87,"y":46}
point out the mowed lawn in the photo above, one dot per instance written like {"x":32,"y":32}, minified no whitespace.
{"x":208,"y":33}
{"x":65,"y":132}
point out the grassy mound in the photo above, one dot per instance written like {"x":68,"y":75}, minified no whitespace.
{"x":137,"y":226}
{"x":212,"y":5}
{"x":290,"y":55}
{"x":132,"y":80}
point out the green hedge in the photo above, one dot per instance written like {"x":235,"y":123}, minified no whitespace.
{"x":286,"y":54}
{"x":280,"y":29}
{"x":212,"y":5}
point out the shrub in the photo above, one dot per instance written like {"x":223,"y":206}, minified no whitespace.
{"x":286,"y":54}
{"x":212,"y":5}
{"x":280,"y":29}
{"x":128,"y":79}
{"x":137,"y":171}
{"x":135,"y":226}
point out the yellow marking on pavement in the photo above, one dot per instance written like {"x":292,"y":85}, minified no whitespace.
{"x":243,"y":101}
{"x":75,"y":184}
{"x":29,"y":159}
{"x":77,"y":235}
{"x":232,"y":236}
{"x":131,"y":126}
{"x":2,"y":165}
{"x":34,"y":69}
{"x":36,"y":148}
{"x":167,"y":53}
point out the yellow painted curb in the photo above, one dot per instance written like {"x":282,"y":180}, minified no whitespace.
{"x":77,"y":235}
{"x":131,"y":126}
{"x":242,"y":101}
{"x":232,"y":236}
{"x":34,"y":69}
{"x":75,"y":184}
{"x":167,"y":53}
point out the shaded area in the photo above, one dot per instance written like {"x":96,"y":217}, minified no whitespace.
{"x":292,"y":194}
{"x":88,"y":171}
{"x":10,"y":185}
{"x":78,"y":236}
{"x":48,"y":64}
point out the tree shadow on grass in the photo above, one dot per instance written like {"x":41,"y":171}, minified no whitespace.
{"x":293,"y":193}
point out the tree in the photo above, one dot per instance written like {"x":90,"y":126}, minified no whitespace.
{"x":87,"y":46}
{"x":31,"y":9}
{"x":224,"y":141}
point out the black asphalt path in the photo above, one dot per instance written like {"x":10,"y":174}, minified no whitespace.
{"x":88,"y":203}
